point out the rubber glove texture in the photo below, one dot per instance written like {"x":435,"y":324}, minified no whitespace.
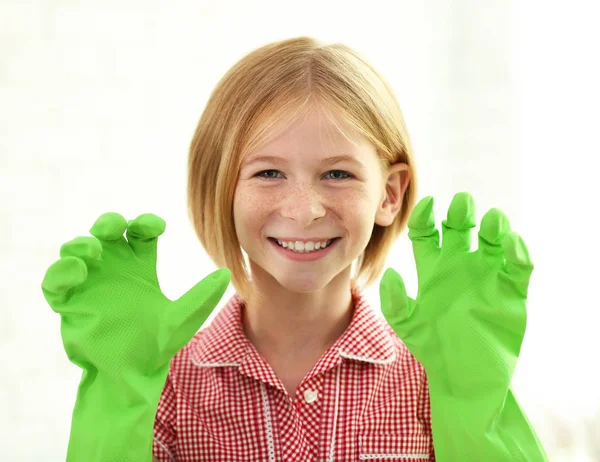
{"x":466,"y":327}
{"x":118,"y":326}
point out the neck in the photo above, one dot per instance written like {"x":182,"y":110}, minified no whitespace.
{"x":293,"y":326}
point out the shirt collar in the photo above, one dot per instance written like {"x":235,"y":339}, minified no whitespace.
{"x":368,"y":338}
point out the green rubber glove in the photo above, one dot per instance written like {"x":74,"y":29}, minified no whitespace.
{"x":466,"y":328}
{"x":119,"y":327}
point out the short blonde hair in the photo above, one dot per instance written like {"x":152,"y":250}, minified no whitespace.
{"x":279,"y":82}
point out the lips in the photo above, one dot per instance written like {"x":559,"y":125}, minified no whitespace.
{"x":303,"y":240}
{"x":305,"y":257}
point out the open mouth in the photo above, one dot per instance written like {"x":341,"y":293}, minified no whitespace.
{"x":306,"y":255}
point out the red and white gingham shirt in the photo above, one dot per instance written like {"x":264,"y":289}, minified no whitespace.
{"x":366,"y":398}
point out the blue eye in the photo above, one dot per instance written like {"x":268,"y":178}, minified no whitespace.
{"x":261,"y":174}
{"x":264,"y":172}
{"x":347,"y":175}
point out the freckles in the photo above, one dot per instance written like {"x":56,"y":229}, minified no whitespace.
{"x":247,"y":198}
{"x":255,"y":204}
{"x":259,"y":203}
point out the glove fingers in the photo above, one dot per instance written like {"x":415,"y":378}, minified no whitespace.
{"x":109,"y":229}
{"x":518,"y":266}
{"x":87,"y":248}
{"x":62,"y":276}
{"x":187,"y":314}
{"x":422,"y":232}
{"x":142,"y":235}
{"x":394,"y":302}
{"x":493,"y":230}
{"x":456,"y":229}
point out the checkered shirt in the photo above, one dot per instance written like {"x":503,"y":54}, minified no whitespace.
{"x":366,"y":398}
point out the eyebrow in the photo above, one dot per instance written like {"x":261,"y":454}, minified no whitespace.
{"x":326,"y":161}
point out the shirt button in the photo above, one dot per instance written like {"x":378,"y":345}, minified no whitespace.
{"x":310,"y":396}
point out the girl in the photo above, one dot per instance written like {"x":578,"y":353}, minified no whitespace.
{"x":301,"y":159}
{"x":301,"y":178}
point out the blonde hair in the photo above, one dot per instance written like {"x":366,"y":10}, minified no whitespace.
{"x":279,"y":82}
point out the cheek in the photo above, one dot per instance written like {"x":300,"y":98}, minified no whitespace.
{"x":349,"y":201}
{"x":255,"y":201}
{"x":249,"y":208}
{"x":353,"y":206}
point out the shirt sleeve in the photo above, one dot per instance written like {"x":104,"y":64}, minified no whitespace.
{"x":163,"y":445}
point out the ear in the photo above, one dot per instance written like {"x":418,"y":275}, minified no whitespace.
{"x":396,"y":181}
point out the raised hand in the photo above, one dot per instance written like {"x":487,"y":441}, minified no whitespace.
{"x":466,"y":328}
{"x":467,"y":323}
{"x":120,"y":328}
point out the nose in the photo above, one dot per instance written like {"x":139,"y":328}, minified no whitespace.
{"x":302,"y":203}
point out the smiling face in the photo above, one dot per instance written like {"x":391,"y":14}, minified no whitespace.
{"x":298,"y":193}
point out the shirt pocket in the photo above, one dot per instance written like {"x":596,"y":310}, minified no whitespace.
{"x":397,"y":447}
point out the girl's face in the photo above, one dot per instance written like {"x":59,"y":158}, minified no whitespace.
{"x":298,"y":193}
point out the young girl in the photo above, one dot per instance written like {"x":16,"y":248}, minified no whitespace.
{"x":302,"y":160}
{"x":301,"y":178}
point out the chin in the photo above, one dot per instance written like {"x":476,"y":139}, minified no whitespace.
{"x":302,"y":284}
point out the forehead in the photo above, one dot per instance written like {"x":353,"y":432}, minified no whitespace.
{"x":314,"y":134}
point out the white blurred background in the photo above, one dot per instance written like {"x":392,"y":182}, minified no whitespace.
{"x":99,"y":100}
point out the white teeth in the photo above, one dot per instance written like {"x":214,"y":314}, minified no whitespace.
{"x":303,"y":247}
